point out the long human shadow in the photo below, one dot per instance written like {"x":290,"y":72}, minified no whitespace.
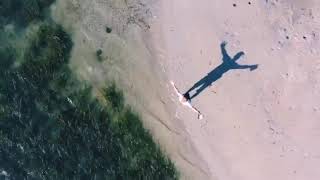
{"x":227,"y":64}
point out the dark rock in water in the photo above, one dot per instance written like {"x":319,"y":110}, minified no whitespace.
{"x":99,"y":52}
{"x":108,"y":29}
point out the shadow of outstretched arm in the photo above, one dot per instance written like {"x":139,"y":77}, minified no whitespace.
{"x":238,"y":56}
{"x":251,"y":67}
{"x":225,"y":56}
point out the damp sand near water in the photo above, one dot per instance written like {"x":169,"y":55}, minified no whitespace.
{"x":127,"y":58}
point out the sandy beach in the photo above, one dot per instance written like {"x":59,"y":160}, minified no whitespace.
{"x":262,"y":124}
{"x":130,"y":59}
{"x":258,"y":125}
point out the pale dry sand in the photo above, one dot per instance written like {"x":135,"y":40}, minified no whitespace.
{"x":257,"y":125}
{"x":128,"y":59}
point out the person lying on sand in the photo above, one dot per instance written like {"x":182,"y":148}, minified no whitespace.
{"x":184,"y":101}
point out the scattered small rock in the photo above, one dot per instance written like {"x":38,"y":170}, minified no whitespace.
{"x":99,"y":53}
{"x":108,"y":29}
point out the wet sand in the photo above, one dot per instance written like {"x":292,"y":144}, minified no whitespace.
{"x":128,"y":58}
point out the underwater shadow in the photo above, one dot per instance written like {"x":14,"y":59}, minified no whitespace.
{"x":227,"y":64}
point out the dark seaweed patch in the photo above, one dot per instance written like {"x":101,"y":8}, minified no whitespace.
{"x":51,"y":127}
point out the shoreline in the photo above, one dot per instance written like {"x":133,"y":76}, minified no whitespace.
{"x":131,"y":63}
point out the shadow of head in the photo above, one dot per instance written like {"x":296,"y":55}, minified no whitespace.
{"x":226,"y":55}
